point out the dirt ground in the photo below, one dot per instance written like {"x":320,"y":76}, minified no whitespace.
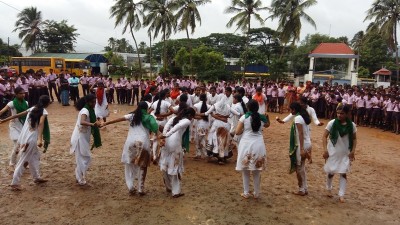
{"x":212,"y":192}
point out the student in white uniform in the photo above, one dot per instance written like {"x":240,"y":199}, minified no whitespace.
{"x":171,"y":160}
{"x":34,"y":131}
{"x":101,"y":107}
{"x":311,"y":113}
{"x":300,"y":144}
{"x":202,"y":127}
{"x":252,"y":154}
{"x":339,"y":149}
{"x":160,"y":109}
{"x":136,"y":152}
{"x":86,"y":125}
{"x":18,"y":105}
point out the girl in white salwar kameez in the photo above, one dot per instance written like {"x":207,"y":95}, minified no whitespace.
{"x":80,"y":140}
{"x":160,"y":109}
{"x":219,"y":137}
{"x":238,"y":109}
{"x":202,"y":127}
{"x":171,"y":160}
{"x":300,"y":145}
{"x":340,"y":149}
{"x":101,"y":107}
{"x":35,"y":130}
{"x":16,"y":106}
{"x":136,"y":152}
{"x":252,"y":155}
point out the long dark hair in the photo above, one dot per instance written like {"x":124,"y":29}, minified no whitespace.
{"x":239,"y":98}
{"x":137,"y":118}
{"x":37,"y":111}
{"x":252,"y":106}
{"x":203,"y":109}
{"x":82,"y":101}
{"x":185,"y":113}
{"x":303,"y":113}
{"x":161,"y":97}
{"x":182,"y":102}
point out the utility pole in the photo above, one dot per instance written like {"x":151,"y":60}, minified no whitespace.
{"x":8,"y":51}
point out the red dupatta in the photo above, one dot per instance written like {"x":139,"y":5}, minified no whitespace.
{"x":100,"y":95}
{"x":259,"y":98}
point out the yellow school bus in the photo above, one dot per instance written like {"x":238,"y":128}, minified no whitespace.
{"x":78,"y":66}
{"x":23,"y":64}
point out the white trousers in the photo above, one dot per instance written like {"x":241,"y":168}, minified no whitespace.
{"x":172,"y":182}
{"x":32,"y":156}
{"x":13,"y":155}
{"x":302,"y":176}
{"x":256,"y":182}
{"x":82,"y":165}
{"x":342,"y":183}
{"x":133,"y":172}
{"x":154,"y":148}
{"x":201,"y":142}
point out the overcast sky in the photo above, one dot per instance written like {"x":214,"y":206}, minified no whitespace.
{"x":91,"y":18}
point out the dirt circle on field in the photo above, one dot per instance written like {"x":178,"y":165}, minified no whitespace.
{"x":212,"y":192}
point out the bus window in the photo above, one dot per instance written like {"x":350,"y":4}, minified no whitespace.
{"x":68,"y":65}
{"x":58,"y":63}
{"x":76,"y":65}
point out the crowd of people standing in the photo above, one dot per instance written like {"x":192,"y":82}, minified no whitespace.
{"x":218,"y":117}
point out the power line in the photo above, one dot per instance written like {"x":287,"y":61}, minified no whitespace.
{"x":10,"y":6}
{"x":76,"y":37}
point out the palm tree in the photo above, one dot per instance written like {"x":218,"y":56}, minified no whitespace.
{"x":386,"y":15}
{"x":161,"y":17}
{"x":357,"y":41}
{"x":29,"y":25}
{"x":111,"y":43}
{"x":188,"y":15}
{"x":127,"y":12}
{"x":244,"y":10}
{"x":290,"y":13}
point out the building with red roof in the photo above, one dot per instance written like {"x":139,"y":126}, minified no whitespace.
{"x":337,"y":51}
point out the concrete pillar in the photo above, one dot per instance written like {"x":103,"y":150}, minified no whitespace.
{"x":353,"y":74}
{"x":310,"y":75}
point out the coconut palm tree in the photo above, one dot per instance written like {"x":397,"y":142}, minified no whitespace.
{"x":357,"y":41}
{"x":128,"y":13}
{"x":289,"y":14}
{"x":386,"y":16}
{"x":161,"y":18}
{"x":29,"y":25}
{"x":188,"y":15}
{"x":244,"y":10}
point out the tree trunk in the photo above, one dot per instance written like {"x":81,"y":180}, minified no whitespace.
{"x":397,"y":54}
{"x":151,"y":71}
{"x":246,"y":48}
{"x":165,"y":55}
{"x":283,"y":52}
{"x":137,"y":51}
{"x":190,"y":52}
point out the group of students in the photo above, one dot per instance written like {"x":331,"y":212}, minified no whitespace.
{"x":167,"y":120}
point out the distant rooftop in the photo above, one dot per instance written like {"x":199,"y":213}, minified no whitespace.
{"x":333,"y":50}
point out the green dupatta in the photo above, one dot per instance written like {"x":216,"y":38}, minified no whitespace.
{"x":292,"y":147}
{"x":262,"y":117}
{"x":186,"y":139}
{"x":339,"y":129}
{"x":149,"y":122}
{"x":95,"y":130}
{"x":20,"y":106}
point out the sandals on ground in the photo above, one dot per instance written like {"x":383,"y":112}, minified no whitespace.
{"x":178,"y":195}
